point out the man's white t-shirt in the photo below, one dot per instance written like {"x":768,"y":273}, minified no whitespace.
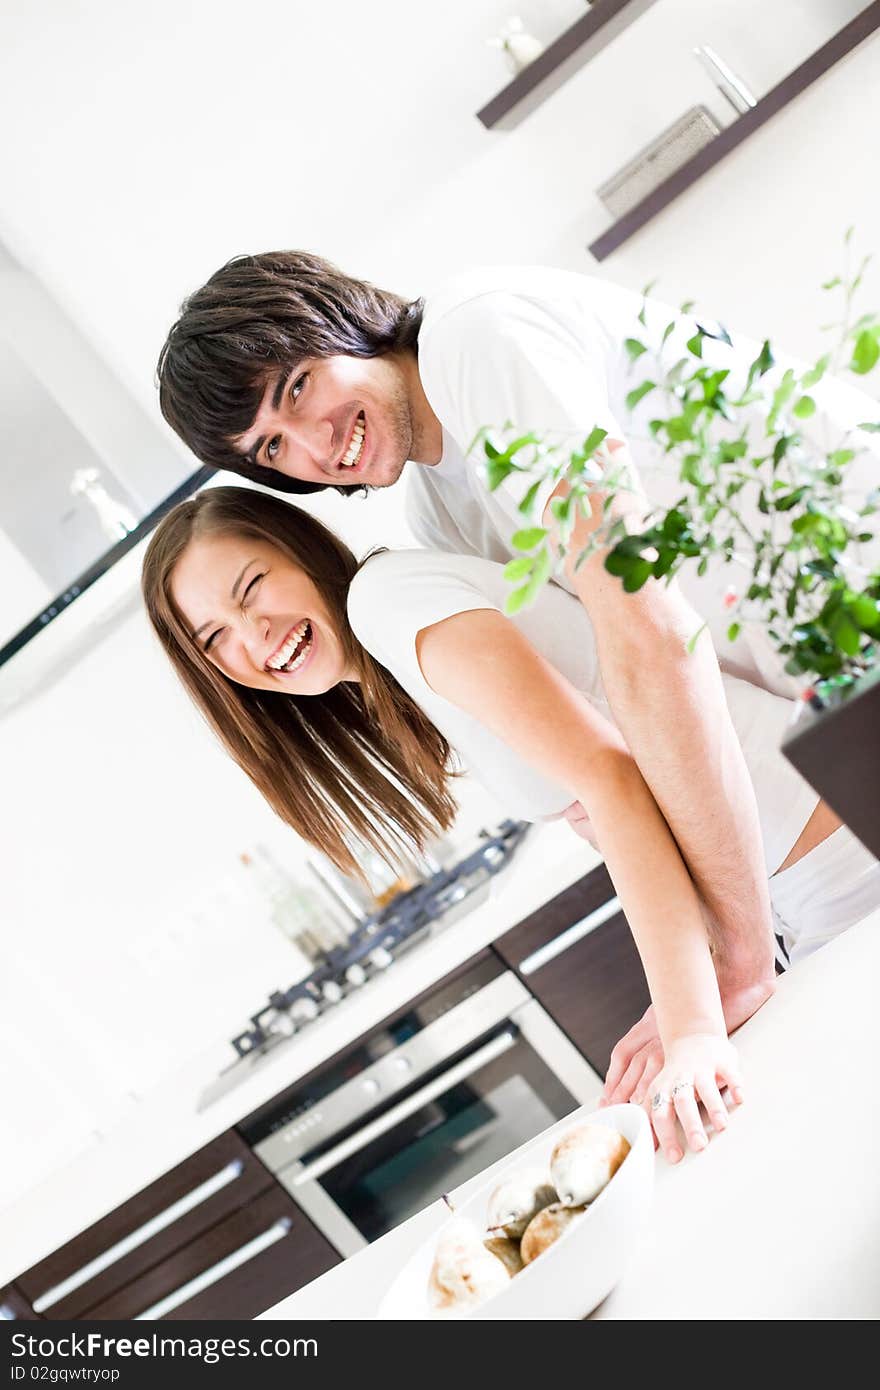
{"x":396,"y":594}
{"x":543,"y":350}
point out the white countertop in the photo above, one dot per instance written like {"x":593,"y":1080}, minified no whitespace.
{"x":779,"y":1218}
{"x":166,"y":1126}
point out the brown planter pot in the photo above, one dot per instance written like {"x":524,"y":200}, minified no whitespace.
{"x":837,"y":750}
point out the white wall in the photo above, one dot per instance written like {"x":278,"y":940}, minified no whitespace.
{"x":153,"y":142}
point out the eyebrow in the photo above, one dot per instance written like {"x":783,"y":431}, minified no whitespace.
{"x":277,"y":396}
{"x":242,"y":573}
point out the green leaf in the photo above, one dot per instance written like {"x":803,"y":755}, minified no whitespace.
{"x":594,"y":438}
{"x":866,"y":352}
{"x":679,"y":428}
{"x":808,"y":523}
{"x":841,"y":457}
{"x":804,"y":407}
{"x":639,"y":394}
{"x":864,"y":611}
{"x":791,"y":499}
{"x":695,"y":344}
{"x":869,"y":426}
{"x":781,"y":447}
{"x":817,"y":372}
{"x":528,"y":592}
{"x":519,"y":568}
{"x":833,"y":283}
{"x":517,"y":600}
{"x":637,"y":574}
{"x":528,"y":537}
{"x":490,"y":450}
{"x":716,"y":331}
{"x":497,"y":469}
{"x":521,"y":443}
{"x":668,"y":332}
{"x":634,"y":348}
{"x":692,"y":641}
{"x":528,"y":501}
{"x":666,"y":558}
{"x":762,"y":363}
{"x":845,"y":633}
{"x":733,"y":632}
{"x":686,"y":306}
{"x":781,"y":396}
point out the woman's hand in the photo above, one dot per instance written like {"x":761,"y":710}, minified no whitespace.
{"x":696,"y":1068}
{"x":638,"y":1057}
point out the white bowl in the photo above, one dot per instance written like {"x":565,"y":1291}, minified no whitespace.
{"x":572,"y":1277}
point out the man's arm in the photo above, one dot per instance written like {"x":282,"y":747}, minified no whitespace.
{"x":670,"y":707}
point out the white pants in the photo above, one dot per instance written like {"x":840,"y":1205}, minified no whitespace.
{"x":831,"y":888}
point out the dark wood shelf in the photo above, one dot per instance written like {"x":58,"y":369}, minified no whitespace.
{"x":580,"y":42}
{"x":818,"y":63}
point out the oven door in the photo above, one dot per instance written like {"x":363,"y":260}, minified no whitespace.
{"x":504,"y":1090}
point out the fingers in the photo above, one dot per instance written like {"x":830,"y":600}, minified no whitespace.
{"x":653,"y":1067}
{"x":625,"y":1087}
{"x":661,"y":1113}
{"x":638,"y":1036}
{"x":684,"y":1100}
{"x":707,"y":1090}
{"x":730,"y":1075}
{"x":670,"y":1104}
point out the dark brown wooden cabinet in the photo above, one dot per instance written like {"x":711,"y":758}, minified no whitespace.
{"x":14,"y":1305}
{"x":577,"y":957}
{"x":217,"y":1236}
{"x":237,"y":1269}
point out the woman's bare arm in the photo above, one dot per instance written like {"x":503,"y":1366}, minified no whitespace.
{"x":482,"y":663}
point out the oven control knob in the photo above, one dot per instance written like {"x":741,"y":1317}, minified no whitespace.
{"x":331,"y":991}
{"x":402,"y":1064}
{"x":371,"y":1086}
{"x":304,"y":1010}
{"x":381,"y":958}
{"x":356,"y":974}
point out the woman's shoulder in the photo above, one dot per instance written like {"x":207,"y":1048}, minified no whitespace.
{"x":415,"y":588}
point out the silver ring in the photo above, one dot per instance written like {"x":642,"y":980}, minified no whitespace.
{"x":682,"y":1086}
{"x":657,"y":1100}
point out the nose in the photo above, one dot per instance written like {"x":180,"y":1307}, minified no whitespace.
{"x":255,"y":638}
{"x":313,"y":434}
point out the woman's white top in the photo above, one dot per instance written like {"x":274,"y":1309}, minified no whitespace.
{"x":396,"y":594}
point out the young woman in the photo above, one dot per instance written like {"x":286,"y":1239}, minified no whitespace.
{"x":343,"y":689}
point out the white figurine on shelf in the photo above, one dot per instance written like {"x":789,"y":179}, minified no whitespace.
{"x":521,"y":48}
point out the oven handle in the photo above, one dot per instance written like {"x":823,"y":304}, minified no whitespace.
{"x":466,"y":1067}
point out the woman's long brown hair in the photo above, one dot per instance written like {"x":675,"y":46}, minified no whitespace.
{"x":361,"y":763}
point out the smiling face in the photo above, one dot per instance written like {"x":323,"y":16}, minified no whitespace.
{"x":257,"y":616}
{"x":340,"y":421}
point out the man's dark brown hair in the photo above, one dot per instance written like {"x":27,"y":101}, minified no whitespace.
{"x":256,"y":317}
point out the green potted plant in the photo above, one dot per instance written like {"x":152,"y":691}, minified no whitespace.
{"x":761,"y":495}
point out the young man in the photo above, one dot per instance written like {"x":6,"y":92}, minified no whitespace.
{"x":299,"y":377}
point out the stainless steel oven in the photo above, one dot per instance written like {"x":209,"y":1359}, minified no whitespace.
{"x":423,"y":1103}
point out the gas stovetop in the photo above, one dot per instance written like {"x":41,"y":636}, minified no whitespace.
{"x":373,"y":946}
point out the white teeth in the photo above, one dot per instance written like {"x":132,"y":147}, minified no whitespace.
{"x":280,"y":659}
{"x":353,"y":452}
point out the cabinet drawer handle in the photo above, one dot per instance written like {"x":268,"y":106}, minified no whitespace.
{"x":142,"y":1233}
{"x":277,"y":1231}
{"x":551,"y":949}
